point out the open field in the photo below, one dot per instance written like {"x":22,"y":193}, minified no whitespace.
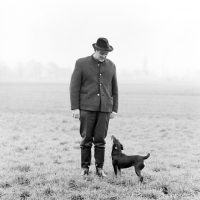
{"x":39,"y":144}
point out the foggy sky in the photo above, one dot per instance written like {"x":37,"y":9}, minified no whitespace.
{"x":162,"y":34}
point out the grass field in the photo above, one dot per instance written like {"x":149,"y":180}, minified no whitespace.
{"x":40,"y":154}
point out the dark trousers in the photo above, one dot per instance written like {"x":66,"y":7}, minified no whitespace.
{"x":93,"y":130}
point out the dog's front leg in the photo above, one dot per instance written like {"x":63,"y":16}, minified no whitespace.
{"x":119,"y":171}
{"x":115,"y":169}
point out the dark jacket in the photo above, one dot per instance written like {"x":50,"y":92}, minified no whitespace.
{"x":93,"y":85}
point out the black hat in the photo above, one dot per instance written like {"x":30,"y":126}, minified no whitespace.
{"x":102,"y":45}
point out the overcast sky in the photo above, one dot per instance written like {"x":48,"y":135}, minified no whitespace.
{"x":165,"y":33}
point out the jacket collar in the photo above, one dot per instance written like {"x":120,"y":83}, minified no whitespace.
{"x":97,"y":60}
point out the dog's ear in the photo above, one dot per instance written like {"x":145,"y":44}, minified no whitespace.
{"x":113,"y":138}
{"x":122,"y":148}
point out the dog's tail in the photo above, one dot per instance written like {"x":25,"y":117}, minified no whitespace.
{"x":145,"y":157}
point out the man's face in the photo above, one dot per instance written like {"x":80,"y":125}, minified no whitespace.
{"x":101,"y":55}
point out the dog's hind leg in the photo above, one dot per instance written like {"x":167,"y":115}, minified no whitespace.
{"x":138,"y":172}
{"x":138,"y":169}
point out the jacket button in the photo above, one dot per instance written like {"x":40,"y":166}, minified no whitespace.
{"x":97,"y":94}
{"x":100,"y":74}
{"x":100,"y":84}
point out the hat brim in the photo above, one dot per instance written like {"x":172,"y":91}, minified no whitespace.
{"x":102,"y":49}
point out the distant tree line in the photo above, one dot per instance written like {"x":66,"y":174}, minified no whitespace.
{"x":34,"y":72}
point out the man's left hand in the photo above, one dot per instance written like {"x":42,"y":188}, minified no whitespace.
{"x":112,"y":115}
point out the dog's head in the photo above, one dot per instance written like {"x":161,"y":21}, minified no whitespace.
{"x":116,"y":144}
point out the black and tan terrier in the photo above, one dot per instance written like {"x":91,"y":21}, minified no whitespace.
{"x":120,"y":160}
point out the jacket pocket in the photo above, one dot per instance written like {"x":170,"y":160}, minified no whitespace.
{"x":84,"y":93}
{"x":109,"y":102}
{"x":83,"y":99}
{"x":83,"y":96}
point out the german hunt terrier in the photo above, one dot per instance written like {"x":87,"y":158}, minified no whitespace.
{"x":120,"y":160}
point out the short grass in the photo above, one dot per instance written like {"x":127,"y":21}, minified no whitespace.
{"x":40,"y":154}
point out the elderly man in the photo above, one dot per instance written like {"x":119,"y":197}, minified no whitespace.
{"x":94,"y":100}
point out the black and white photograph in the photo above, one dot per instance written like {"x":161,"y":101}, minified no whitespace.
{"x":99,"y":99}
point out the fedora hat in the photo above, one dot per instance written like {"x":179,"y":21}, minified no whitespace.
{"x":102,"y":45}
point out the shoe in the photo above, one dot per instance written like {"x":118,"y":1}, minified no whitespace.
{"x":100,"y":172}
{"x":85,"y":172}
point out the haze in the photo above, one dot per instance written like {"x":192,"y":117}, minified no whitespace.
{"x":154,"y":38}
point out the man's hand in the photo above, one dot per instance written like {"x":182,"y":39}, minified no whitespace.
{"x":76,"y":113}
{"x":112,"y":115}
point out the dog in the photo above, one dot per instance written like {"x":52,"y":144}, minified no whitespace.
{"x":121,"y":161}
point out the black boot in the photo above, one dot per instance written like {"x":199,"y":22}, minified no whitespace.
{"x":85,"y":160}
{"x":99,"y":154}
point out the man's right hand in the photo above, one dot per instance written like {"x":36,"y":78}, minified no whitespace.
{"x":76,"y":113}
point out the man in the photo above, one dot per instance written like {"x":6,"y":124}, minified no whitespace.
{"x":94,"y":100}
